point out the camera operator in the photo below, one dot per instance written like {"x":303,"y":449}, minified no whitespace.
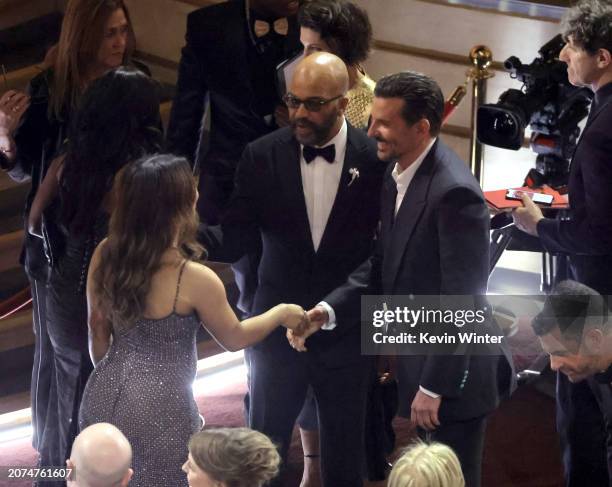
{"x":587,"y":235}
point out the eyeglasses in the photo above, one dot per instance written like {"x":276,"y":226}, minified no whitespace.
{"x":310,"y":104}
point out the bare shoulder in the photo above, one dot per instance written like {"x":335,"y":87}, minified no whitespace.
{"x":199,"y":280}
{"x":95,"y":258}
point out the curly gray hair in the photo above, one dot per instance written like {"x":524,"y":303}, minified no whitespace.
{"x":589,"y":23}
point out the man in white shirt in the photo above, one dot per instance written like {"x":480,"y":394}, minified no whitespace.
{"x":311,"y":193}
{"x":434,"y":240}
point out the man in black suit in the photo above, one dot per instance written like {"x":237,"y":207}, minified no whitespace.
{"x":226,"y":97}
{"x":311,"y":193}
{"x":574,"y":328}
{"x":226,"y":91}
{"x":434,"y":240}
{"x":587,"y":236}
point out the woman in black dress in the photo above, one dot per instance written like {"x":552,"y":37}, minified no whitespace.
{"x":116,"y":123}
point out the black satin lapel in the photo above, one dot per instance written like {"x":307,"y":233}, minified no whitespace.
{"x":288,"y":163}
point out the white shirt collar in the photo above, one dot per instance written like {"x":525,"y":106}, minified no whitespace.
{"x":404,"y":177}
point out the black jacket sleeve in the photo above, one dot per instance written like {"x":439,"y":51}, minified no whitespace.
{"x":591,"y":232}
{"x":238,"y":233}
{"x":189,"y":103}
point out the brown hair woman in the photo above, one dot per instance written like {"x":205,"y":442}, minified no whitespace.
{"x":147,"y":298}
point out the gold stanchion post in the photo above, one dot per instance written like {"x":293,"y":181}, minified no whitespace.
{"x":480,"y":57}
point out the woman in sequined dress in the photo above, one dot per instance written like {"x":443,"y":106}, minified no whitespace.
{"x":147,"y":298}
{"x":116,"y":123}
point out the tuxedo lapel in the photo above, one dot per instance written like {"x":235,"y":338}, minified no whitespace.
{"x":407,"y":218}
{"x":288,"y":166}
{"x":347,"y":192}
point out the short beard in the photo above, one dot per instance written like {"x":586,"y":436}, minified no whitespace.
{"x":319,"y":133}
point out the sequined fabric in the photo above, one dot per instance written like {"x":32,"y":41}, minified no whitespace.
{"x":360,"y":102}
{"x":144,"y":387}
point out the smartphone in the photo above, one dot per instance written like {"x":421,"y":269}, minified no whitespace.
{"x":539,"y":198}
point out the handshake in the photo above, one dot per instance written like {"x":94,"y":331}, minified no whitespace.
{"x":301,"y":324}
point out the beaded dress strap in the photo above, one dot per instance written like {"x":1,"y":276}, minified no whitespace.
{"x":178,"y":284}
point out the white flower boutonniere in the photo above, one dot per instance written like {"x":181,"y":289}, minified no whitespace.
{"x":354,"y":172}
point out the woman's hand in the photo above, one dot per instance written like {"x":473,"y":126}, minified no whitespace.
{"x":295,"y":318}
{"x":13,"y":105}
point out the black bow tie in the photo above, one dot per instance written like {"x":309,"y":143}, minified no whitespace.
{"x":328,"y":153}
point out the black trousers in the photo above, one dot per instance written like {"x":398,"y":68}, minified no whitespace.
{"x":466,"y":438}
{"x":381,"y":407}
{"x":43,"y":369}
{"x":67,"y":329}
{"x":584,"y":423}
{"x":277,"y":393}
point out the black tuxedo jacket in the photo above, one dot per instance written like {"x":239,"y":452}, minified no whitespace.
{"x":437,"y":244}
{"x":217,"y":72}
{"x":268,"y":201}
{"x":587,"y":236}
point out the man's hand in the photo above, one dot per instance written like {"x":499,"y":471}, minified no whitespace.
{"x":527,"y":217}
{"x":317,"y":317}
{"x":424,"y":411}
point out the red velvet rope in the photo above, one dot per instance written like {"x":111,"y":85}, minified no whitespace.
{"x":15,"y":303}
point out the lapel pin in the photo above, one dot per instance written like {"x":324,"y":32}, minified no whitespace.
{"x":354,"y":172}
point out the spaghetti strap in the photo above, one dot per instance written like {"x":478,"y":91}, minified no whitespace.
{"x":178,"y":284}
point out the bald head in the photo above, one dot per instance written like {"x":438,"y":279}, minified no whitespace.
{"x":101,"y":457}
{"x":317,"y":98}
{"x":323,"y":71}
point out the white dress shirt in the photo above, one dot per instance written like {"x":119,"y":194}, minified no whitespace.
{"x":404,"y":177}
{"x":320,"y":180}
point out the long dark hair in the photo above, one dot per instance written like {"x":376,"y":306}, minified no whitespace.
{"x":153,"y":204}
{"x":117,"y":122}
